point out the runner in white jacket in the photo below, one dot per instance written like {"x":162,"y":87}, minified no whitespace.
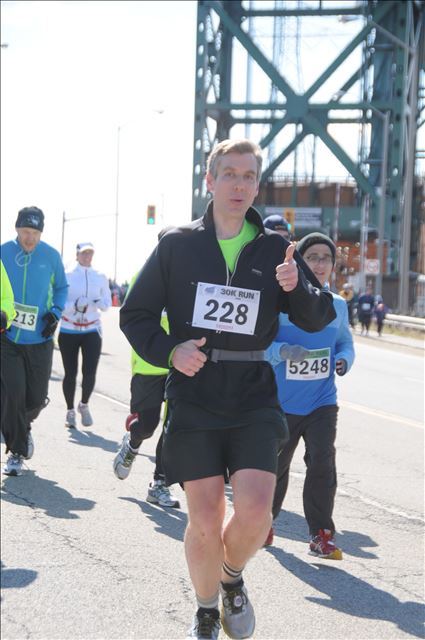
{"x":81,"y":328}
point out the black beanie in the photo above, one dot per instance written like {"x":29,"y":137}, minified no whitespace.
{"x":31,"y":217}
{"x":316,"y":238}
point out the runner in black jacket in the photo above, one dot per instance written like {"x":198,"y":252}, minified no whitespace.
{"x":223,"y":280}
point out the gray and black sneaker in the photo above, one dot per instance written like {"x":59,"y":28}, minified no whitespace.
{"x":159,"y":493}
{"x":13,"y":466}
{"x":86,"y":419}
{"x":237,"y":614}
{"x":30,"y":446}
{"x":205,"y":626}
{"x":71,"y":419}
{"x":124,"y":458}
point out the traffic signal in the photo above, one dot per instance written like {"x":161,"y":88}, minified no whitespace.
{"x":151,"y":214}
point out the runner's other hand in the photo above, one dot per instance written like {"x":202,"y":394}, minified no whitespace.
{"x":51,"y":324}
{"x":287,"y":272}
{"x":294,"y":352}
{"x":341,"y":367}
{"x":81,"y":304}
{"x":3,"y":321}
{"x":187,"y":357}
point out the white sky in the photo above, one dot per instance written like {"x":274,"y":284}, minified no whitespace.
{"x":71,"y":74}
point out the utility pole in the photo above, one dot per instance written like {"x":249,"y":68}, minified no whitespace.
{"x":63,"y":233}
{"x":117,"y":203}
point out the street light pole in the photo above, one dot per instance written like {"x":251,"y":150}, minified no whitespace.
{"x":63,"y":233}
{"x":117,"y":202}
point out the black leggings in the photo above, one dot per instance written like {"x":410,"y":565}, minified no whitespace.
{"x":69,"y":345}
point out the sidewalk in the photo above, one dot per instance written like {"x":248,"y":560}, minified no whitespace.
{"x":391,"y":338}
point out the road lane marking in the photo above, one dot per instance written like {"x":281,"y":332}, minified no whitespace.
{"x":342,"y":403}
{"x":379,"y":505}
{"x":368,"y":501}
{"x":380,"y":414}
{"x":118,"y":402}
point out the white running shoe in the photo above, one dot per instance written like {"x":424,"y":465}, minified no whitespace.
{"x":71,"y":419}
{"x":86,"y":419}
{"x":124,"y":458}
{"x":13,"y":466}
{"x":159,"y":493}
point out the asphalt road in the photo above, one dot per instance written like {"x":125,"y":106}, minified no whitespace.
{"x":84,"y":556}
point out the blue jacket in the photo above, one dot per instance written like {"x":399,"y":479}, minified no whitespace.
{"x":39,"y":285}
{"x":305,"y":386}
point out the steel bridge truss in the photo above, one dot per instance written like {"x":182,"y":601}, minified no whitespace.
{"x":390,"y":110}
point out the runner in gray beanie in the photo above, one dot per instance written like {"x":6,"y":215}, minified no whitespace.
{"x":316,"y":238}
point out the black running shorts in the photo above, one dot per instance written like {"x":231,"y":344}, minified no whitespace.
{"x":194,"y":453}
{"x":147,"y":392}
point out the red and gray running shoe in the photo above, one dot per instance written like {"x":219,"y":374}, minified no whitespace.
{"x":323,"y":546}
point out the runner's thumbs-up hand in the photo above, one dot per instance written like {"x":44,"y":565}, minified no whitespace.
{"x":187,"y":357}
{"x":287,"y":272}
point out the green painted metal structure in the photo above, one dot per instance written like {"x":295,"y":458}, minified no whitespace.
{"x":390,"y":110}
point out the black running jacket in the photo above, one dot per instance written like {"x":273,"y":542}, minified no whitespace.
{"x":190,"y":254}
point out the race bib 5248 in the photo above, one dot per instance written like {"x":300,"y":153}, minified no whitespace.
{"x":315,"y":366}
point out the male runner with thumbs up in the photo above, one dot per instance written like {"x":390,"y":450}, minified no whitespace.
{"x":223,"y":280}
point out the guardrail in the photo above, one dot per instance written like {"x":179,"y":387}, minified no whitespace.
{"x":405,"y":322}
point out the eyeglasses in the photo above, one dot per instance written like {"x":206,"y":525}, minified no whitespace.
{"x":315,"y":259}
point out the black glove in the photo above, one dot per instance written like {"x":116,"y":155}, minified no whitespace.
{"x":341,"y":367}
{"x":51,"y":324}
{"x":3,"y":321}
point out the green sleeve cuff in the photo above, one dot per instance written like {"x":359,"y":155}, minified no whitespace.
{"x":170,"y":357}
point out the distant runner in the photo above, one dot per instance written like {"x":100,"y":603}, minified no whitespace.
{"x":81,"y":330}
{"x":39,"y":285}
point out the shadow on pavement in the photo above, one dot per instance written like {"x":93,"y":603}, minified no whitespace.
{"x":30,"y":490}
{"x":16,"y":578}
{"x":147,"y":456}
{"x":169,"y":521}
{"x":294,"y":527}
{"x":350,"y":595}
{"x":90,"y":439}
